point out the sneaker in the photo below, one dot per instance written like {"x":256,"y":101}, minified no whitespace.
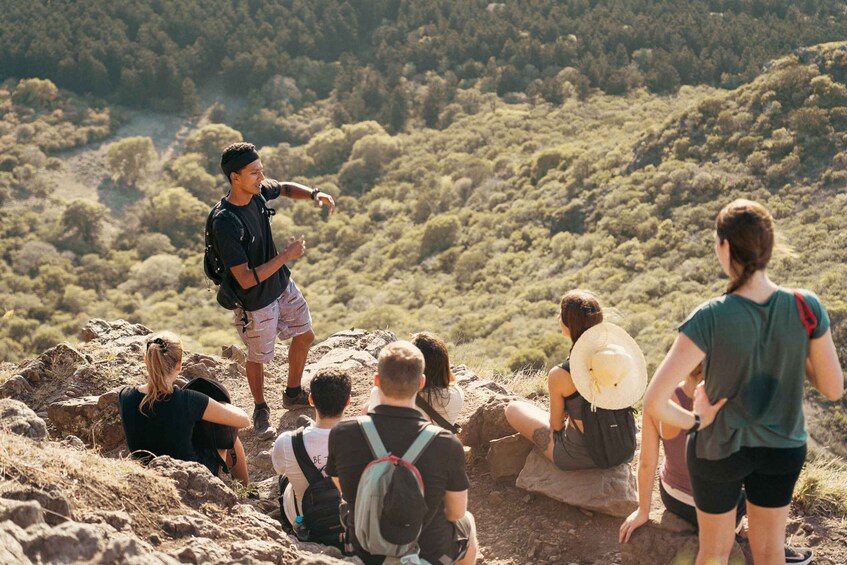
{"x":798,"y":555}
{"x":262,"y":423}
{"x":299,"y":401}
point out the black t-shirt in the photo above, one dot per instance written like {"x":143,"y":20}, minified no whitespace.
{"x":442,"y":467}
{"x":259,"y":249}
{"x":166,"y":429}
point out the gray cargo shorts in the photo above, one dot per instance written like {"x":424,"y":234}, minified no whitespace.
{"x":287,"y":316}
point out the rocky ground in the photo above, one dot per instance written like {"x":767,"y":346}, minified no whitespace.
{"x":68,"y":494}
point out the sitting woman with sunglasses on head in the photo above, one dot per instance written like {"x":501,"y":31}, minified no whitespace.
{"x":159,"y":418}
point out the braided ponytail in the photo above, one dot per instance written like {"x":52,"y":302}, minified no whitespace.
{"x":164,"y":353}
{"x":749,"y":229}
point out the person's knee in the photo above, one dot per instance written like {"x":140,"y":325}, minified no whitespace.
{"x":512,"y":411}
{"x":304,"y":339}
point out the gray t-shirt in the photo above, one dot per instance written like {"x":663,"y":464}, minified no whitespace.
{"x":755,"y":357}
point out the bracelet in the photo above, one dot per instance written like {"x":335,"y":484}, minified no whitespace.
{"x":696,"y":425}
{"x":255,"y":276}
{"x":314,"y":194}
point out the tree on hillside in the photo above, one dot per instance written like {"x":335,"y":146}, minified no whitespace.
{"x":130,"y":158}
{"x":35,"y":93}
{"x":84,"y":219}
{"x":210,"y":141}
{"x":177,"y":214}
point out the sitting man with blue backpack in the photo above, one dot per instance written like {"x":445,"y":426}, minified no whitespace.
{"x":403,"y":479}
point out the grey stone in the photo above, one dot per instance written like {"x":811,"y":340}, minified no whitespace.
{"x":117,"y":519}
{"x":69,"y":542}
{"x":345,"y":359}
{"x":507,"y":456}
{"x":185,"y":526}
{"x":112,"y":330}
{"x":55,"y":506}
{"x":11,"y":550}
{"x":610,"y":491}
{"x":94,"y":419}
{"x":23,"y":513}
{"x":18,"y":418}
{"x":194,"y":482}
{"x":15,"y":387}
{"x":61,"y":360}
{"x":201,"y":550}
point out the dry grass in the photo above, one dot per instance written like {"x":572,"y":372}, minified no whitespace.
{"x":528,"y":383}
{"x":822,"y":487}
{"x":90,"y":482}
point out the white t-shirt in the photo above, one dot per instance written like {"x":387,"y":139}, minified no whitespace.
{"x":316,"y":441}
{"x":447,"y":402}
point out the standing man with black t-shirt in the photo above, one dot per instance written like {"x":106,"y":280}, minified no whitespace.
{"x":449,"y":532}
{"x":271,"y":304}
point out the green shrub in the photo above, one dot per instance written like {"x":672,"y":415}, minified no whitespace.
{"x":440,"y":233}
{"x":527,"y":359}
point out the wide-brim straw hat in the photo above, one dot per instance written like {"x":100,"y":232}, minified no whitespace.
{"x":608,"y":368}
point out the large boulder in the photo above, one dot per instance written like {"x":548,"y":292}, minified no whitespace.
{"x":106,"y":331}
{"x":487,"y":423}
{"x":610,"y":491}
{"x":94,"y":419}
{"x":507,"y":456}
{"x":17,"y":418}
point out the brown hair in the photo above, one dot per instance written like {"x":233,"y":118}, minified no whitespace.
{"x":580,"y":310}
{"x":400,"y":367}
{"x":436,"y":362}
{"x":749,"y":229}
{"x":164,"y":353}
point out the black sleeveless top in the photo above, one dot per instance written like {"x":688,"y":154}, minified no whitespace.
{"x":574,"y":403}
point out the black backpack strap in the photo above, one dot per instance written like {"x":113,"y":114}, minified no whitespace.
{"x":435,"y":416}
{"x":308,"y":468}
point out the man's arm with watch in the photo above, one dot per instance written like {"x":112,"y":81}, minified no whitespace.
{"x":299,"y":191}
{"x":680,"y":360}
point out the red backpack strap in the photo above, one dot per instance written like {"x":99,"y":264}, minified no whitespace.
{"x":810,"y":321}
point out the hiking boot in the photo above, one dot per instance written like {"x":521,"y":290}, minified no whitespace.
{"x":798,"y":555}
{"x":299,"y":401}
{"x":262,"y":422}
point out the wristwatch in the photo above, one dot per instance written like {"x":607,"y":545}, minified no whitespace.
{"x":315,"y":193}
{"x":696,"y":425}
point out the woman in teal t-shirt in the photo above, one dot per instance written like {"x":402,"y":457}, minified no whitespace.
{"x":756,"y":350}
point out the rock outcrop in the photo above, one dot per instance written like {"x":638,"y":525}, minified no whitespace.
{"x":610,"y":491}
{"x":17,"y":418}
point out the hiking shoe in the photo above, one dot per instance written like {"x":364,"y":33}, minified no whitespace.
{"x":262,"y":423}
{"x":299,"y":401}
{"x":798,"y":555}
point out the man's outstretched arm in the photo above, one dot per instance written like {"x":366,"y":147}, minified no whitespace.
{"x":299,"y":191}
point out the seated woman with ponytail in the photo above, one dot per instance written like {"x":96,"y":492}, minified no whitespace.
{"x":159,"y":418}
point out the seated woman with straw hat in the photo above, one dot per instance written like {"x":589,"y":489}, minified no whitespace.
{"x":606,"y":369}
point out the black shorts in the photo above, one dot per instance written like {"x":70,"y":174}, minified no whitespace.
{"x":689,"y":513}
{"x":460,"y":543}
{"x":768,"y":475}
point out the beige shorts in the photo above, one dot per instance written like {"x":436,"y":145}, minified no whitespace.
{"x":287,"y":316}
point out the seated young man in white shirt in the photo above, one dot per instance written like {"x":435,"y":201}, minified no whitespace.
{"x":330,"y":395}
